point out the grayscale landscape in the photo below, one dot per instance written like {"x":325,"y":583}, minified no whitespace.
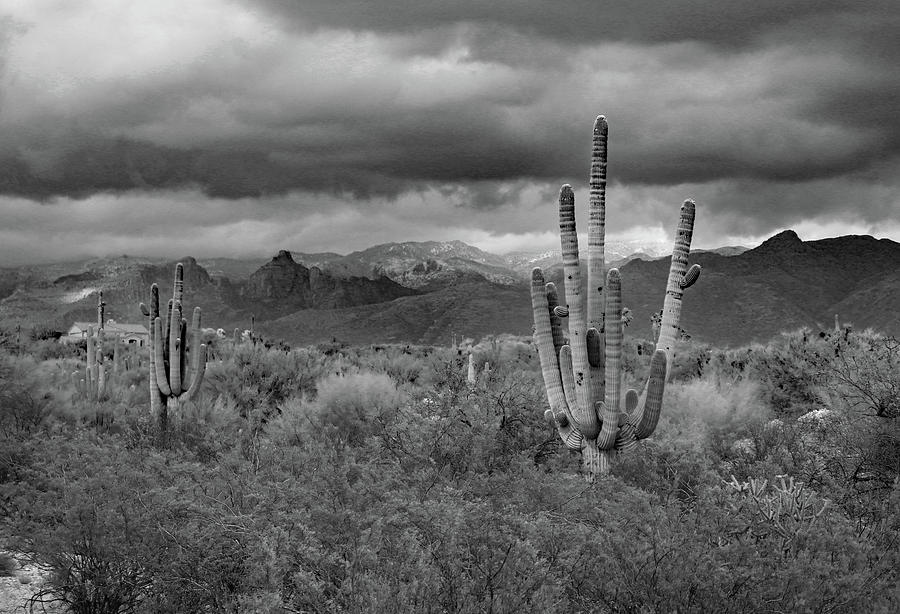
{"x":449,"y":307}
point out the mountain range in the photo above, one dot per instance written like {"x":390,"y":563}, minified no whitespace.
{"x":425,"y":292}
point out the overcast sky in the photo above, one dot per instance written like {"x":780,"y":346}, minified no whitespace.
{"x":240,"y":127}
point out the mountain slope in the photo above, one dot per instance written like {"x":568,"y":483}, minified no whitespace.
{"x":475,"y":308}
{"x":783,"y":284}
{"x":430,"y":264}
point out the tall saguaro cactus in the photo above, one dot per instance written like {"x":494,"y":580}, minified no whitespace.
{"x":583,"y":374}
{"x":172,"y":378}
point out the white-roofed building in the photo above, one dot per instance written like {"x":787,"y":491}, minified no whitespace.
{"x":133,"y":334}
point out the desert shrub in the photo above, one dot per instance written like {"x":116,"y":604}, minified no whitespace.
{"x":707,"y":425}
{"x":43,"y":332}
{"x":401,"y":363}
{"x":711,"y":412}
{"x":348,"y":405}
{"x":689,"y":360}
{"x":863,"y":369}
{"x":206,"y":428}
{"x":505,"y":351}
{"x":50,"y":348}
{"x":8,"y":565}
{"x":785,"y":370}
{"x":24,"y":403}
{"x":636,"y":354}
{"x":259,"y":379}
{"x":365,"y":490}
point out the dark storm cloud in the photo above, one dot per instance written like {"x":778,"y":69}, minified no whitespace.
{"x":773,"y":107}
{"x":730,"y":23}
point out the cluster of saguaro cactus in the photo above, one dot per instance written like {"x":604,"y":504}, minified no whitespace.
{"x":172,"y":378}
{"x":583,"y":374}
{"x":92,"y":386}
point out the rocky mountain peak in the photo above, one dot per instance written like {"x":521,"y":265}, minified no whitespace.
{"x":785,"y":238}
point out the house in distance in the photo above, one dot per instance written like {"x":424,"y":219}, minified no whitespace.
{"x":132,"y":334}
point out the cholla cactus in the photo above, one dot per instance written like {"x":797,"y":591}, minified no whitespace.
{"x":583,"y":374}
{"x":787,"y":511}
{"x":171,"y":382}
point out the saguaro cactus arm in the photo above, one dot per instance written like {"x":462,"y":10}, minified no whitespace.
{"x":680,"y":278}
{"x":198,"y":357}
{"x":613,"y":369}
{"x":152,"y":313}
{"x":645,"y":414}
{"x":597,"y":224}
{"x":548,"y":353}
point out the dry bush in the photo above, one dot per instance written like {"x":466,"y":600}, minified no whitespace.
{"x":347,"y":405}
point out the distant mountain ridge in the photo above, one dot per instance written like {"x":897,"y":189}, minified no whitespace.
{"x":416,"y":264}
{"x":424,"y":292}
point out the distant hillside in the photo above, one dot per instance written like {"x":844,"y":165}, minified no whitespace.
{"x":430,"y":264}
{"x":728,"y":250}
{"x":278,"y":287}
{"x":474,"y":309}
{"x":783,"y":284}
{"x":431,"y":290}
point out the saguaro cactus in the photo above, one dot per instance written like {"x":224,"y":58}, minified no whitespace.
{"x":93,"y":385}
{"x":583,"y":374}
{"x":171,"y":382}
{"x":101,"y":311}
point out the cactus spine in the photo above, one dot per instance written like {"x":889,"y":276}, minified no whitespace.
{"x":583,"y":374}
{"x":171,"y":382}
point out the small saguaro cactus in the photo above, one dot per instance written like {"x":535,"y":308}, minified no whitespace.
{"x":583,"y":374}
{"x":117,"y":356}
{"x":101,"y":307}
{"x":171,"y":381}
{"x":92,"y":386}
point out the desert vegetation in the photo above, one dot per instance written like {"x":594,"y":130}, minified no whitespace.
{"x":232,"y":473}
{"x":380,"y":478}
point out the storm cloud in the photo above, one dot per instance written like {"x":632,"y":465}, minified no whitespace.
{"x":418,"y":119}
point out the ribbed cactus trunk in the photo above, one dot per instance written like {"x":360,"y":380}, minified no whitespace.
{"x":117,"y":356}
{"x":583,"y":373}
{"x":94,"y":388}
{"x":101,"y":314}
{"x":170,"y":381}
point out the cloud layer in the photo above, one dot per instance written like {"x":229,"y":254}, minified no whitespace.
{"x":425,"y":117}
